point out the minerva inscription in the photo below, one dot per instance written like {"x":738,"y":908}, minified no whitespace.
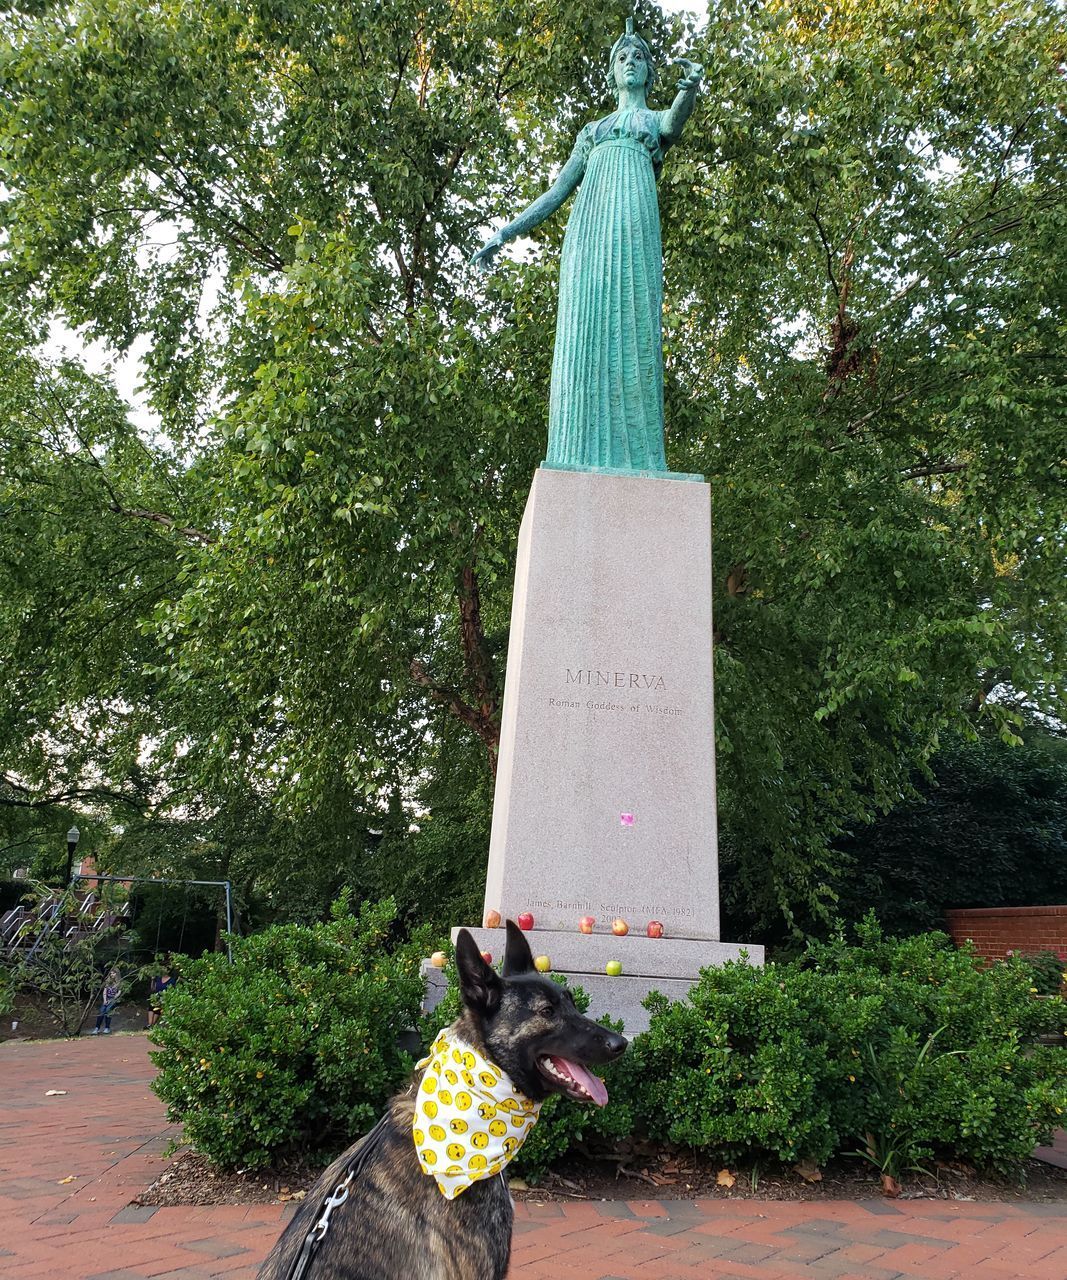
{"x":613,"y":679}
{"x":634,"y":682}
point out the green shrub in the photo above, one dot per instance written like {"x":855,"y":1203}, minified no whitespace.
{"x":757,"y":1061}
{"x":295,"y":1044}
{"x":901,"y":1050}
{"x":1046,"y":969}
{"x":7,"y":988}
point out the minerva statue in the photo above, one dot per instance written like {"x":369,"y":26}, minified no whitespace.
{"x":606,"y":403}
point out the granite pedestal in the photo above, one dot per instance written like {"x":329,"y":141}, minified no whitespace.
{"x":605,"y":792}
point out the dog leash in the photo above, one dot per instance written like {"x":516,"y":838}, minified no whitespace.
{"x":334,"y":1200}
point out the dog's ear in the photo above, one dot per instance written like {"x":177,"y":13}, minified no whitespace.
{"x":479,"y":983}
{"x":518,"y":958}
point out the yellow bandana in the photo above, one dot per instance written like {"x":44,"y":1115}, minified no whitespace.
{"x":469,"y":1118}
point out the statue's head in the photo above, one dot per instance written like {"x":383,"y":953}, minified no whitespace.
{"x":631,"y":62}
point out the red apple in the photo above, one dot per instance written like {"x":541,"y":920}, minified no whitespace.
{"x":585,"y":924}
{"x":613,"y":968}
{"x":439,"y":959}
{"x":487,"y":956}
{"x":542,"y":964}
{"x":655,"y":929}
{"x":524,"y":920}
{"x":619,"y":928}
{"x":492,"y":919}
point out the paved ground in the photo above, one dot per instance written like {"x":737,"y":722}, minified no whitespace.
{"x":70,"y":1165}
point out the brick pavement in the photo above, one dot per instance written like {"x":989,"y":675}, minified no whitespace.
{"x":70,"y":1165}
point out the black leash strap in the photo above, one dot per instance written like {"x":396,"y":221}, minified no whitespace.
{"x":335,"y":1199}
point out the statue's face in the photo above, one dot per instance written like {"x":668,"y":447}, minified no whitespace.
{"x":630,"y":68}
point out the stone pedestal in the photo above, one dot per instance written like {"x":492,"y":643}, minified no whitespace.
{"x":605,"y":793}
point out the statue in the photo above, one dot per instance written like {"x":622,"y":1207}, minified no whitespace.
{"x":606,"y":403}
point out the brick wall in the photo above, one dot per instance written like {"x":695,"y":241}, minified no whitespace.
{"x":997,"y":930}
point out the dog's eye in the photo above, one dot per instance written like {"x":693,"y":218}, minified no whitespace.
{"x":544,"y":1010}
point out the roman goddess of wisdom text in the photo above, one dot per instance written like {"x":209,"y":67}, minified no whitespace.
{"x":606,"y":404}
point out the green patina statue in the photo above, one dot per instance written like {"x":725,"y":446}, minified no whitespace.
{"x":606,"y":404}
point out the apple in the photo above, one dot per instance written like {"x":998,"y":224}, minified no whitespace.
{"x":542,"y":964}
{"x":439,"y":959}
{"x":492,"y":919}
{"x":619,"y":928}
{"x":585,"y":924}
{"x":655,"y":929}
{"x":487,"y":956}
{"x":613,"y":968}
{"x":524,"y":920}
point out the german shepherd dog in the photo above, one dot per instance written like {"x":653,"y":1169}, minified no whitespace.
{"x":395,"y":1224}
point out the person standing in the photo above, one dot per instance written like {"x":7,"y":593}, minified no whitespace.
{"x":109,"y":998}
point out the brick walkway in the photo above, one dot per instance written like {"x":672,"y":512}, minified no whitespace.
{"x":70,"y":1165}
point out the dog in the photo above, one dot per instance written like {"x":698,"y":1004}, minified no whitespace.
{"x":416,"y":1200}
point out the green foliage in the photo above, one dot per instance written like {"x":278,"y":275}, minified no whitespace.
{"x":1047,"y":971}
{"x":988,"y":828}
{"x":898,"y":1080}
{"x":236,"y":631}
{"x":296,"y":1044}
{"x":905,"y":1048}
{"x":8,"y":986}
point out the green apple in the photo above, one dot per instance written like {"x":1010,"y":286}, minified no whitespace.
{"x":613,"y":968}
{"x":542,"y":964}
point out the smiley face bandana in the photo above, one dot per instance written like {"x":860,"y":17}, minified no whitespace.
{"x":469,"y":1118}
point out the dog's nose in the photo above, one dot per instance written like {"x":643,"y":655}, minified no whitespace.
{"x":616,"y":1045}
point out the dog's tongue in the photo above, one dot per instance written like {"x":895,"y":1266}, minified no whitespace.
{"x":585,"y":1080}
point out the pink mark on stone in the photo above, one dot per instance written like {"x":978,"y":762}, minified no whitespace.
{"x":626,"y":819}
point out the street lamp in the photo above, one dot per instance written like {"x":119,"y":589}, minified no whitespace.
{"x":73,"y":836}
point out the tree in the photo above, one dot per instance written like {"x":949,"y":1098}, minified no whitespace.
{"x":863,"y":317}
{"x":988,"y":828}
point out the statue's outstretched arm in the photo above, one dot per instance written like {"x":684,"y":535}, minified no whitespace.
{"x":533,"y":215}
{"x":672,"y":121}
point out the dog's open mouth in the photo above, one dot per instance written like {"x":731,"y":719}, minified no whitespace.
{"x":577,"y":1082}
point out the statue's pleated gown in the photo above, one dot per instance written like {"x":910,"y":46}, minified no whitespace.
{"x":606,"y":405}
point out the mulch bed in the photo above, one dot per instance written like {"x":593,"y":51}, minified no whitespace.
{"x":653,"y":1173}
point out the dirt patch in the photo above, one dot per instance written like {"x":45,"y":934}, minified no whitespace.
{"x":192,"y":1179}
{"x":658,"y":1174}
{"x":31,"y":1019}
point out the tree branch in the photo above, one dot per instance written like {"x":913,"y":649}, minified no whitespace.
{"x":24,"y":799}
{"x":187,"y":531}
{"x":933,"y":469}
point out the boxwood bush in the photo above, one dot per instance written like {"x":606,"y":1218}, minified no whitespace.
{"x":900,"y":1050}
{"x":295,"y":1045}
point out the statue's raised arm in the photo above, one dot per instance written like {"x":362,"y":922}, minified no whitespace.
{"x":674,"y":118}
{"x":606,"y":403}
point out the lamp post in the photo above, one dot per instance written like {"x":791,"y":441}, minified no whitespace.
{"x":73,"y":836}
